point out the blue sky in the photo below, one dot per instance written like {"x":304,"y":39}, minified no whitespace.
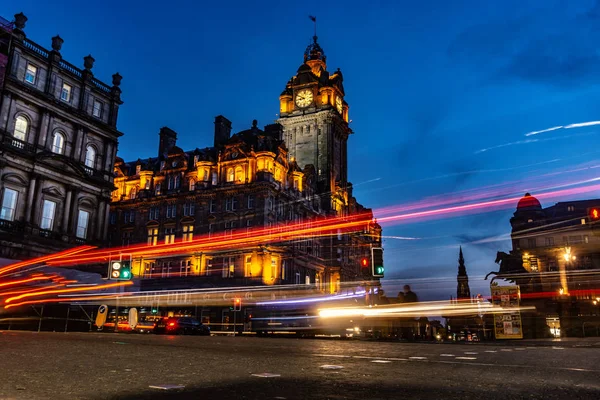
{"x":429,"y":85}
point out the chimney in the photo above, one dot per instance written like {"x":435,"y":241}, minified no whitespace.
{"x":168,"y":139}
{"x":222,"y":130}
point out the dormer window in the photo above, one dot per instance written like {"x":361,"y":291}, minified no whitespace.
{"x":570,"y":208}
{"x":230,"y":175}
{"x":175,"y":163}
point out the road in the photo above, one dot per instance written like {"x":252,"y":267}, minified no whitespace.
{"x":125,"y":366}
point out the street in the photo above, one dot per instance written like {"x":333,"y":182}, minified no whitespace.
{"x":126,"y":366}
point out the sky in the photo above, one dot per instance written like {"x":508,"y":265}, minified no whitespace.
{"x":442,"y":96}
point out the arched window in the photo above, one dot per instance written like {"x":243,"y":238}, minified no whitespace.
{"x":176,"y":182}
{"x":170,"y":183}
{"x":239,"y":174}
{"x":230,"y":175}
{"x":58,"y":143}
{"x":20,"y":131}
{"x":192,"y":185}
{"x":90,"y":156}
{"x":206,"y":175}
{"x":133,"y":193}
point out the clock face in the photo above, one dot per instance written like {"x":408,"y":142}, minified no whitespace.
{"x":304,"y":98}
{"x":338,"y":104}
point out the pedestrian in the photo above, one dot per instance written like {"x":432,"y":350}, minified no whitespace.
{"x":409,"y":295}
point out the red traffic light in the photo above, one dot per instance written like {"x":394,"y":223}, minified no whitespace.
{"x":595,"y":213}
{"x":364,"y":262}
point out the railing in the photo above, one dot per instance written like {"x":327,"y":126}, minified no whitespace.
{"x":100,"y":85}
{"x":18,"y":144}
{"x":71,"y":68}
{"x":11,"y":226}
{"x":35,"y":47}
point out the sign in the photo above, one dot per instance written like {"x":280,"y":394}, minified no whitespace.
{"x":507,"y":325}
{"x":133,"y":317}
{"x":101,"y":317}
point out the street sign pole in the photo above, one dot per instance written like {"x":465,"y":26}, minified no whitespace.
{"x":117,"y":301}
{"x":234,"y":314}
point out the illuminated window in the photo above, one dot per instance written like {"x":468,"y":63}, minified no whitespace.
{"x":273,"y":267}
{"x":228,"y":267}
{"x":133,"y":193}
{"x":30,"y":74}
{"x":570,"y":208}
{"x":230,"y":175}
{"x":90,"y":157}
{"x":248,"y":267}
{"x":188,"y":233}
{"x":58,"y":143}
{"x":48,"y":212}
{"x":192,"y":185}
{"x":307,"y":280}
{"x":20,"y":131}
{"x":239,"y":174}
{"x":65,"y":92}
{"x":283,"y":269}
{"x":9,"y":204}
{"x":152,"y":236}
{"x":169,"y":235}
{"x":97,"y":109}
{"x":206,"y":175}
{"x":214,"y":179}
{"x":82,"y":224}
{"x":157,"y":189}
{"x":582,"y":221}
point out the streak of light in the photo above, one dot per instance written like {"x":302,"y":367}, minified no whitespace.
{"x":16,"y":292}
{"x":63,"y":300}
{"x":35,"y":278}
{"x":39,"y":260}
{"x":444,"y":308}
{"x":582,"y":124}
{"x":313,"y":299}
{"x":70,"y":290}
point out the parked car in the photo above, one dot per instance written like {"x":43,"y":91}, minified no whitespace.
{"x":181,"y":326}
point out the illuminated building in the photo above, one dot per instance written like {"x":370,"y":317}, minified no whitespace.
{"x":293,"y":171}
{"x":559,"y":247}
{"x":58,"y":134}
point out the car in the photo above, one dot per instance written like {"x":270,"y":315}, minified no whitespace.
{"x":181,"y":326}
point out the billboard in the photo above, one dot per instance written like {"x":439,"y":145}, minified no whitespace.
{"x":507,"y":325}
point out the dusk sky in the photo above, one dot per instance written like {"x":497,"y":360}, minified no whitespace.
{"x":441,"y":95}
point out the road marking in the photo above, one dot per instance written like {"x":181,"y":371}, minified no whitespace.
{"x":505,"y":349}
{"x":361,"y":357}
{"x":519,"y":348}
{"x":167,"y":387}
{"x":119,"y":343}
{"x":447,"y":355}
{"x":327,"y":366}
{"x":491,"y":351}
{"x":381,"y":361}
{"x":332,"y":355}
{"x":470,"y":352}
{"x":558,"y":348}
{"x":466,"y":358}
{"x":266,"y":375}
{"x":417,"y":358}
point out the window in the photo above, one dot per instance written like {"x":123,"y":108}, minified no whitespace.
{"x":210,"y":230}
{"x":169,"y":235}
{"x":549,"y":241}
{"x":171,"y":211}
{"x":157,"y":189}
{"x":192,"y":185}
{"x":129,"y":216}
{"x":20,"y":131}
{"x":228,"y":267}
{"x":30,"y":74}
{"x":48,"y":215}
{"x":188,"y":233}
{"x":65,"y":93}
{"x":97,"y":109}
{"x":82,"y":224}
{"x":214,"y":178}
{"x":138,"y":169}
{"x":127,"y":237}
{"x":133,"y":193}
{"x":239,"y":174}
{"x":586,"y":239}
{"x":307,"y":281}
{"x":113,"y":218}
{"x":283,"y":269}
{"x":270,"y":203}
{"x":582,"y":221}
{"x":228,"y":202}
{"x":189,"y":209}
{"x":152,"y":236}
{"x":154,"y":213}
{"x":9,"y":204}
{"x":248,"y":267}
{"x":205,"y":175}
{"x":230,"y":175}
{"x":213,"y":205}
{"x":90,"y":156}
{"x":250,"y":201}
{"x":234,"y":204}
{"x":58,"y":143}
{"x":273,"y":267}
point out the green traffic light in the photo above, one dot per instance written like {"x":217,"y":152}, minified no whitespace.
{"x":125,"y":274}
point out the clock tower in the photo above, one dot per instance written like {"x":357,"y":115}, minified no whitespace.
{"x":314,"y":116}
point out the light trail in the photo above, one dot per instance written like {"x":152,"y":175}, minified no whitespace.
{"x":36,"y":278}
{"x":69,"y":290}
{"x":40,"y":260}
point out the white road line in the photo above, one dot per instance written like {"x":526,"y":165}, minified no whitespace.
{"x":447,"y":355}
{"x":327,"y":366}
{"x":519,"y":348}
{"x":466,"y":358}
{"x":557,"y":348}
{"x":505,"y":349}
{"x":332,"y":355}
{"x":381,"y":361}
{"x":471,"y":352}
{"x":417,"y":358}
{"x":491,"y":351}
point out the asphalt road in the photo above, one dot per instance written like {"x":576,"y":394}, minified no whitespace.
{"x":125,"y":366}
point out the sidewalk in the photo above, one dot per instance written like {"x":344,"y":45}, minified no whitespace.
{"x":572,"y":342}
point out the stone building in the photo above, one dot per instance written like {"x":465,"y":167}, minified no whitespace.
{"x":558,"y":249}
{"x":58,"y":135}
{"x":294,"y":170}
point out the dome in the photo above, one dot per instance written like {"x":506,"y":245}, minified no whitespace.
{"x":528,"y":202}
{"x":304,"y":68}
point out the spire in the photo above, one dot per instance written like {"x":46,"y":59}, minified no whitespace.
{"x":462,"y":291}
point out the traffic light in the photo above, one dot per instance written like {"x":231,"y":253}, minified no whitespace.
{"x":237,"y":304}
{"x":364,"y":262}
{"x":377,"y":262}
{"x":120,"y":270}
{"x":594,"y":214}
